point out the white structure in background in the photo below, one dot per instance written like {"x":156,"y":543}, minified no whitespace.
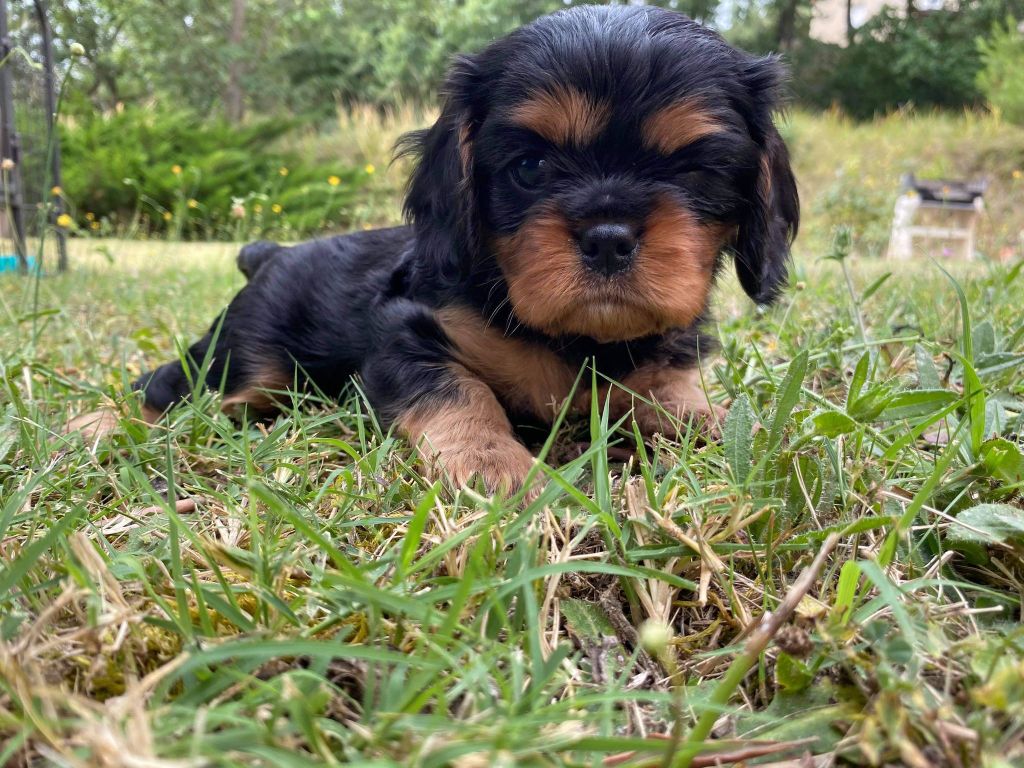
{"x":828,"y":22}
{"x":936,"y":218}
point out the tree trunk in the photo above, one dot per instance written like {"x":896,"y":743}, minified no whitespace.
{"x":234,"y":97}
{"x":786,"y":31}
{"x":849,"y":22}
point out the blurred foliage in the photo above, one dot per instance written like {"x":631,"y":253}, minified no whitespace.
{"x":930,"y":59}
{"x":1002,"y":77}
{"x":299,"y":57}
{"x":160,"y":170}
{"x":304,"y":57}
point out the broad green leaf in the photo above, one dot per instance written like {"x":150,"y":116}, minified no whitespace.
{"x":809,"y":713}
{"x":846,"y":589}
{"x":860,"y":375}
{"x":927,"y":373}
{"x":997,"y":362}
{"x":832,"y":423}
{"x":792,"y":674}
{"x":870,"y":405}
{"x":737,"y":437}
{"x":586,"y":619}
{"x":916,"y":403}
{"x":989,"y":523}
{"x":1003,"y":460}
{"x":788,"y":397}
{"x":975,"y":393}
{"x":984,"y":339}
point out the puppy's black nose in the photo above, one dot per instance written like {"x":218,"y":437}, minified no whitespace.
{"x":608,"y":247}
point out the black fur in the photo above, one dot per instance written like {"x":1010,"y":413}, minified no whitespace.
{"x":363,"y":303}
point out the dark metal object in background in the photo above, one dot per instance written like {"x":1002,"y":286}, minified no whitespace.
{"x":10,"y":144}
{"x":10,"y":148}
{"x":53,"y":140}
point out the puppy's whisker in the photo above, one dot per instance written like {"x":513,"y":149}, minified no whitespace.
{"x":497,"y":309}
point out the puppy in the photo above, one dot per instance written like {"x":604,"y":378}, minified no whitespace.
{"x":573,"y":203}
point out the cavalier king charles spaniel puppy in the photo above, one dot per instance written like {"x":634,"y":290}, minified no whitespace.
{"x":587,"y":178}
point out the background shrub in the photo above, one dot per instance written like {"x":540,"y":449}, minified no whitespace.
{"x":927,"y":60}
{"x":1002,"y":77}
{"x":156,"y":170}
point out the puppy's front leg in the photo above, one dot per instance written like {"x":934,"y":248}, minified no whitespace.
{"x":452,"y":417}
{"x":465,"y":433}
{"x":678,"y":392}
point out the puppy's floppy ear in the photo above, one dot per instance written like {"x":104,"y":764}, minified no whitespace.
{"x":440,"y":201}
{"x":767,"y":229}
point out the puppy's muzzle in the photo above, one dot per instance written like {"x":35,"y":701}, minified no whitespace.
{"x":607,"y":248}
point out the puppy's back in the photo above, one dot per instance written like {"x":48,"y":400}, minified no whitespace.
{"x":253,"y":256}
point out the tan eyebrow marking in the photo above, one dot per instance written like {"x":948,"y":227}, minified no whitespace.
{"x":563,"y":115}
{"x":677,"y":125}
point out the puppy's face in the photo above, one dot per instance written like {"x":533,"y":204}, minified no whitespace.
{"x":605,"y":158}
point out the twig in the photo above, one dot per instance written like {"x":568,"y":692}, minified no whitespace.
{"x":755,"y":645}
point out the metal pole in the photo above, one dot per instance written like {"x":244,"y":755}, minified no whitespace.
{"x":10,"y":147}
{"x":53,"y":138}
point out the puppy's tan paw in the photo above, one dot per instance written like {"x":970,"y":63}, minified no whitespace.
{"x":502,"y":464}
{"x":706,"y":417}
{"x":94,"y":425}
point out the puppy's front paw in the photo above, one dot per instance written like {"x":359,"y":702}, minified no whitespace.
{"x":706,"y":417}
{"x":501,"y":463}
{"x":94,"y":425}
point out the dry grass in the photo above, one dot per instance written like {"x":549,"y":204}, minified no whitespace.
{"x":215,"y":594}
{"x":309,"y":600}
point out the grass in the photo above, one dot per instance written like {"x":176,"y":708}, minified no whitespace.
{"x":202,"y":593}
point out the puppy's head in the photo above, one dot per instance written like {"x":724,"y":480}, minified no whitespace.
{"x":602,"y":159}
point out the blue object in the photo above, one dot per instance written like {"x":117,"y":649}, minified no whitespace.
{"x":9,"y":263}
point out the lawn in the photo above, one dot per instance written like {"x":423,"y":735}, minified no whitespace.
{"x":202,"y":593}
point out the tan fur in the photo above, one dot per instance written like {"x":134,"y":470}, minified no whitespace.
{"x":678,"y":391}
{"x":526,"y":376}
{"x":94,"y":425}
{"x":150,"y":414}
{"x":563,"y":116}
{"x":468,"y":438}
{"x":678,"y":125}
{"x":256,"y":396}
{"x":668,"y":285}
{"x":675,"y":265}
{"x":102,"y":422}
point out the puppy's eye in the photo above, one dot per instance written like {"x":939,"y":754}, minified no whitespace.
{"x":529,"y":172}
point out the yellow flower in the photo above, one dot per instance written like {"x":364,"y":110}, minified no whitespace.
{"x":56,"y":191}
{"x":276,"y":208}
{"x":90,"y":216}
{"x":95,"y":225}
{"x":333,"y":181}
{"x":7,"y":164}
{"x":1018,"y":175}
{"x":193,"y":203}
{"x":64,"y":221}
{"x":168,"y":215}
{"x":176,"y":169}
{"x":257,"y":208}
{"x":283,"y":171}
{"x":370,"y":169}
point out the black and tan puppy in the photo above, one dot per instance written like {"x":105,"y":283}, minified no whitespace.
{"x":574,"y":201}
